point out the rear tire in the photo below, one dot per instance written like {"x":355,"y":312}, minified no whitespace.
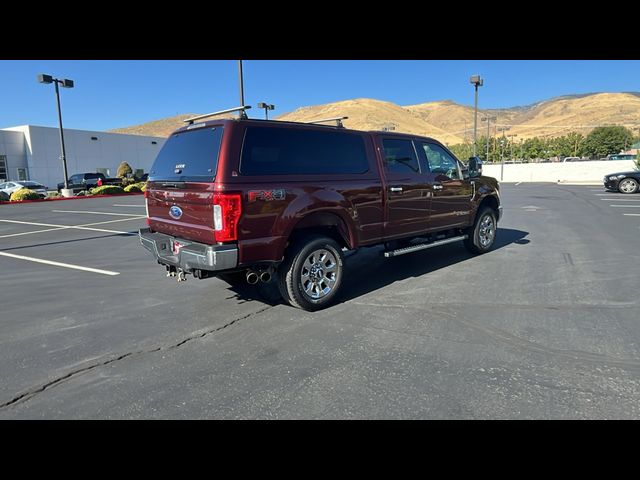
{"x":628,"y":185}
{"x":311,"y":274}
{"x":482,"y":234}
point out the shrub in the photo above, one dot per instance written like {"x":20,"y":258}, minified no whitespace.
{"x":54,"y":195}
{"x":141,"y":187}
{"x":24,"y":194}
{"x":133,"y":188}
{"x":123,"y":170}
{"x":128,"y":181}
{"x":107,"y":190}
{"x":4,"y":197}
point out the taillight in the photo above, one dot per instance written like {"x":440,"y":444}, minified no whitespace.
{"x":146,"y":206}
{"x":227,"y":208}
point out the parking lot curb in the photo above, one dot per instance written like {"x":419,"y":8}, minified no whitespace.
{"x":2,"y":202}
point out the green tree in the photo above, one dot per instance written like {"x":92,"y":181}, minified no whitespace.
{"x":123,"y":170}
{"x":575,"y":139}
{"x":603,"y":141}
{"x":534,"y":148}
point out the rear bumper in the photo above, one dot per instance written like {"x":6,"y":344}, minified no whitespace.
{"x":192,"y":256}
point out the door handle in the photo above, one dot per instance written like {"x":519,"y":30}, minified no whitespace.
{"x":396,"y":189}
{"x":437,"y":187}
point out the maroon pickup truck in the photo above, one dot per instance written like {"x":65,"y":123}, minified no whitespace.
{"x":281,"y":201}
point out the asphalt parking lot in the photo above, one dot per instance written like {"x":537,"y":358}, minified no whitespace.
{"x":544,"y":326}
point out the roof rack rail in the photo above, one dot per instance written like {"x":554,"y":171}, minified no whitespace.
{"x":221,"y":112}
{"x":338,"y":121}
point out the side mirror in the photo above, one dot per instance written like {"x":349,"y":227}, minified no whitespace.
{"x":475,"y":167}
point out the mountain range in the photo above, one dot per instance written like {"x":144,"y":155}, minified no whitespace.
{"x":452,"y":123}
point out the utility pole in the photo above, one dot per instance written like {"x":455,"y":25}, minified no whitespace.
{"x":243,"y":114}
{"x":511,"y":142}
{"x":488,"y":120}
{"x":502,"y":129}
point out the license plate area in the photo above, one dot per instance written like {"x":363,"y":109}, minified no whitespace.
{"x":176,"y":246}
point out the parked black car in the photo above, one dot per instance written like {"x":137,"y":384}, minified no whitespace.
{"x":624,"y":182}
{"x":85,"y":181}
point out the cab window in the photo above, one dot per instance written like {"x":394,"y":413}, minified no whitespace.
{"x":440,"y":161}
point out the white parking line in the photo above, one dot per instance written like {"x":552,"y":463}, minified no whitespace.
{"x":631,"y":214}
{"x":96,"y":213}
{"x":59,"y":264}
{"x":621,"y":199}
{"x":85,"y":226}
{"x":518,"y":183}
{"x":627,"y":206}
{"x":119,"y":205}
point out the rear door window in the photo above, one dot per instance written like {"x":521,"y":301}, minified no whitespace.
{"x":400,"y":156}
{"x":189,"y":156}
{"x":287,"y":151}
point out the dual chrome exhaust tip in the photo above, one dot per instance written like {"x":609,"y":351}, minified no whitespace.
{"x":253,"y":277}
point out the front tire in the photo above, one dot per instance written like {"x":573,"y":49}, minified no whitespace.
{"x":482,"y":234}
{"x":628,"y":185}
{"x":311,"y":274}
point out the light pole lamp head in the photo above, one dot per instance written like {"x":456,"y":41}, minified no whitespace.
{"x":66,"y":83}
{"x":43,"y":78}
{"x":266,"y":106}
{"x":476,"y":80}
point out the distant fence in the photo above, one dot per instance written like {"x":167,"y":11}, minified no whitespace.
{"x":558,"y":172}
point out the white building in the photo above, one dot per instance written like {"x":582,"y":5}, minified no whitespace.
{"x":33,"y":153}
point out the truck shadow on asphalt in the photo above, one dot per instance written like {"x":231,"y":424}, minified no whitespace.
{"x":367,"y":270}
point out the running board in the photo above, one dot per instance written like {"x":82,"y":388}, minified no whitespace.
{"x":423,"y":246}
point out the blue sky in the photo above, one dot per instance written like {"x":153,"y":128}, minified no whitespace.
{"x":111,"y":94}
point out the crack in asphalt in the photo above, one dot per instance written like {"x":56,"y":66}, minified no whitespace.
{"x":503,"y":337}
{"x":29,"y":394}
{"x":573,"y":355}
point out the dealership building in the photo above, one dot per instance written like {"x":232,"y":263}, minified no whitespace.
{"x":33,"y":153}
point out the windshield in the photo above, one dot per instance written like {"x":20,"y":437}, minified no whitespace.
{"x":191,"y":155}
{"x":31,"y":184}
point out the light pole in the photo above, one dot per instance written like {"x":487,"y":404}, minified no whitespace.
{"x":476,"y":81}
{"x":488,"y":120}
{"x":66,"y":83}
{"x":266,"y":107}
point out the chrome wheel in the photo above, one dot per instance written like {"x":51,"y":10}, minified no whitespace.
{"x":486,"y":231}
{"x":628,"y":185}
{"x":319,"y":274}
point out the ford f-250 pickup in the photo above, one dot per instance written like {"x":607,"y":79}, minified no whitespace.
{"x":281,"y":201}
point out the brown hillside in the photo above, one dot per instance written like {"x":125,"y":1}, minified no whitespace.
{"x":156,"y":128}
{"x":563,"y":115}
{"x":370,"y":114}
{"x":452,"y":123}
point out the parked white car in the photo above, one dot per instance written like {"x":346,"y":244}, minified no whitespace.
{"x":9,"y":187}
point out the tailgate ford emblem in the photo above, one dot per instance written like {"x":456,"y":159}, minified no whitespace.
{"x":175,"y":212}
